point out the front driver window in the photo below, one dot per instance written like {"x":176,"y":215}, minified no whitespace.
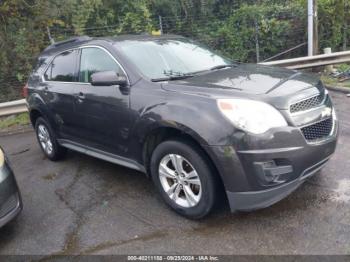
{"x":95,"y":60}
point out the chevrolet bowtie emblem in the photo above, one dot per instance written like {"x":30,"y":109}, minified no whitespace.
{"x":326,"y":112}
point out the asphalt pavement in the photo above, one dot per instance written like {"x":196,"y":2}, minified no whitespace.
{"x":83,"y":205}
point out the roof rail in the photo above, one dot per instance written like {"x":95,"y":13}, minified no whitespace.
{"x":68,"y":41}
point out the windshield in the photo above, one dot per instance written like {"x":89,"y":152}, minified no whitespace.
{"x":163,"y":58}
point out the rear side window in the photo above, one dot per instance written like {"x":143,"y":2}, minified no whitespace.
{"x":62,"y":68}
{"x":95,"y":60}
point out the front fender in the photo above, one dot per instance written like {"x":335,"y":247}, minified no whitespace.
{"x":201,"y":120}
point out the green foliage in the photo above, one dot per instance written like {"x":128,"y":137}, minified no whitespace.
{"x":251,"y":24}
{"x":232,"y":27}
{"x":14,"y":120}
{"x":334,"y":18}
{"x":22,"y":37}
{"x":237,"y":32}
{"x":82,"y":10}
{"x":343,"y":68}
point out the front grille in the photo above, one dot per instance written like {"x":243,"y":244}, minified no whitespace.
{"x":318,"y":131}
{"x":306,"y":104}
{"x":9,"y":205}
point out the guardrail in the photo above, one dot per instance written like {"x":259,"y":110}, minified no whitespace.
{"x":312,"y":61}
{"x":13,"y":107}
{"x":19,"y":106}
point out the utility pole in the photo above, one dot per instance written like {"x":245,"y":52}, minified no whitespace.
{"x":310,"y":27}
{"x":315,"y":29}
{"x":160,"y":24}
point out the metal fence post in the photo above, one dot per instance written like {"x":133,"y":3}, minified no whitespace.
{"x":329,"y":68}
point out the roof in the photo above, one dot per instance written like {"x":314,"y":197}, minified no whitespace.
{"x":76,"y":41}
{"x":140,"y":37}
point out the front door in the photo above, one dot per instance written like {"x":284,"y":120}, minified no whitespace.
{"x":102,"y":112}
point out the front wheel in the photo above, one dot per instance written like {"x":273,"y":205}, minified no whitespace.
{"x":184,"y":178}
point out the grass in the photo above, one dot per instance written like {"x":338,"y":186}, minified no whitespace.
{"x":15,"y":120}
{"x":331,"y":81}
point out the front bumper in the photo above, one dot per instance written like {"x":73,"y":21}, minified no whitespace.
{"x":248,"y":201}
{"x":10,"y":199}
{"x":259,"y":171}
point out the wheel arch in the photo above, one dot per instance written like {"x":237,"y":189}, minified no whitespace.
{"x":38,"y":108}
{"x":34,"y":114}
{"x":163,"y":133}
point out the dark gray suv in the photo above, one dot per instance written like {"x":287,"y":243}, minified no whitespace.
{"x":196,"y":122}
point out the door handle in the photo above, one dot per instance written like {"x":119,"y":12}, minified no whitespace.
{"x":80,"y":97}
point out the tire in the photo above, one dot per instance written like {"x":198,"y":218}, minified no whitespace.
{"x":179,"y":198}
{"x":45,"y":135}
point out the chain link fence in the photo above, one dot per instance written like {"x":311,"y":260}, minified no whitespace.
{"x":249,"y":34}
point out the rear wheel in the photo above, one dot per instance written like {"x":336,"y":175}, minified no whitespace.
{"x":47,"y":140}
{"x":184,"y":178}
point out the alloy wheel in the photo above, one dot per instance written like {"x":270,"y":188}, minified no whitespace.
{"x":180,"y":180}
{"x":45,"y":140}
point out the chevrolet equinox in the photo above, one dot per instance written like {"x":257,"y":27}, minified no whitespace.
{"x":199,"y":124}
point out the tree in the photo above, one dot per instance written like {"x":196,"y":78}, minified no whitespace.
{"x":232,"y":27}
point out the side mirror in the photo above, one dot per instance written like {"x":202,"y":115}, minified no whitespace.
{"x":108,"y":78}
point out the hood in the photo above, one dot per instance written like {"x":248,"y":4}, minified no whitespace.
{"x":249,"y":80}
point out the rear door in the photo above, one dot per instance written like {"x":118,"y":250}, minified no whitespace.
{"x":102,"y":111}
{"x":58,"y":91}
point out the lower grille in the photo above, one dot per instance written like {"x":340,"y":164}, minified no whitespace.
{"x":319,"y":131}
{"x":9,"y":205}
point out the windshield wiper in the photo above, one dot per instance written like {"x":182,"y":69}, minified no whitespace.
{"x":222,"y":66}
{"x":174,"y":77}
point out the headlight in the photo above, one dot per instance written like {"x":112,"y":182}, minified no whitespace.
{"x":249,"y":115}
{"x":2,"y":158}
